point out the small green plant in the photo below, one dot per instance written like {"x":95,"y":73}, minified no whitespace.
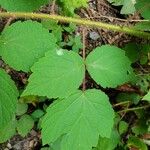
{"x":79,"y":118}
{"x":141,"y":6}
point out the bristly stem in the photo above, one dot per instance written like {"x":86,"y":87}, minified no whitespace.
{"x":79,"y":21}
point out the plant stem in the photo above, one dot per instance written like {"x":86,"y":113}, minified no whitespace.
{"x":85,"y":22}
{"x":121,"y":103}
{"x":84,"y":57}
{"x":133,"y":109}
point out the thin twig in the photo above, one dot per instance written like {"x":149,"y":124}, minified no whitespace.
{"x":53,"y":7}
{"x":124,"y":113}
{"x":133,"y":109}
{"x":98,"y":16}
{"x":121,"y":103}
{"x":9,"y":21}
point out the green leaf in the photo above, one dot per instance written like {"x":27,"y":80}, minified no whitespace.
{"x":54,"y":27}
{"x":24,"y":125}
{"x":132,"y":97}
{"x":147,"y":97}
{"x":58,"y":33}
{"x":46,"y":148}
{"x":144,"y":26}
{"x":21,"y":109}
{"x":132,"y":51}
{"x":136,"y":143}
{"x":23,"y":43}
{"x":143,"y":6}
{"x":123,"y":127}
{"x":140,"y":127}
{"x":8,"y":131}
{"x":145,"y":48}
{"x":71,"y":28}
{"x":37,"y":114}
{"x":57,"y":144}
{"x":81,"y":118}
{"x":108,"y":143}
{"x":8,"y":99}
{"x":143,"y":82}
{"x":109,"y":66}
{"x":116,"y":2}
{"x":127,"y":5}
{"x":22,"y":5}
{"x":50,"y":24}
{"x":70,"y":5}
{"x":58,"y":74}
{"x":143,"y":59}
{"x":75,"y":42}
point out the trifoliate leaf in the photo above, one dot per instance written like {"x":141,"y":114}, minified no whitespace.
{"x":24,"y":125}
{"x":58,"y":74}
{"x":22,"y":5}
{"x":147,"y":97}
{"x":81,"y":118}
{"x":8,"y":99}
{"x":143,"y":7}
{"x":109,"y":66}
{"x":8,"y":131}
{"x":23,"y":43}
